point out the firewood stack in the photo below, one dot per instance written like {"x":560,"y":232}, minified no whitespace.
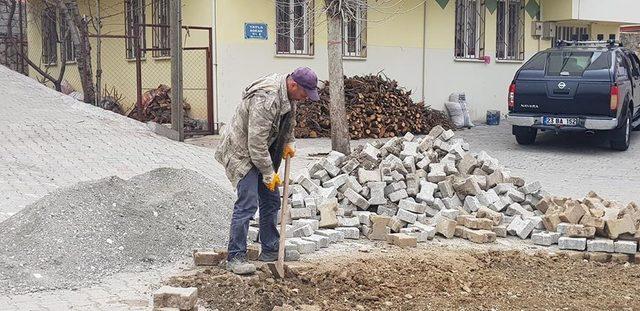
{"x":376,"y":108}
{"x":156,"y":107}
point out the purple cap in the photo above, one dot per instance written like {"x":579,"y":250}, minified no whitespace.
{"x":307,"y":79}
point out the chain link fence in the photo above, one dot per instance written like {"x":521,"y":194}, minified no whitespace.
{"x":140,"y":83}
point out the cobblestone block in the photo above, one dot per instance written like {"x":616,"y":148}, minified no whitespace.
{"x":517,"y":209}
{"x":350,"y":166}
{"x":452,"y":202}
{"x":378,"y":227}
{"x":579,"y":231}
{"x":303,"y":231}
{"x":545,"y":238}
{"x":406,"y":216}
{"x":364,"y":217}
{"x":480,"y":236}
{"x":395,"y":186}
{"x":516,"y":195}
{"x":333,"y":235}
{"x":365,"y":176}
{"x":616,"y":227}
{"x":410,"y":205}
{"x":600,"y":245}
{"x":395,"y":224}
{"x":467,"y":187}
{"x":376,"y":193}
{"x":352,"y":233}
{"x":446,"y":227}
{"x":626,"y":247}
{"x":577,"y":244}
{"x":321,"y":241}
{"x":348,"y":222}
{"x":446,"y":188}
{"x":427,"y":189}
{"x":436,"y":176}
{"x":471,"y":204}
{"x":487,"y":213}
{"x":596,"y":222}
{"x":450,"y":213}
{"x":356,"y":199}
{"x":182,"y":298}
{"x":531,"y":188}
{"x":208,"y":258}
{"x":328,"y":214}
{"x":337,"y":181}
{"x":299,"y":213}
{"x":304,"y":246}
{"x":573,"y":212}
{"x":413,"y":184}
{"x":500,"y":230}
{"x":521,"y":228}
{"x":385,"y":210}
{"x":478,"y":223}
{"x":402,"y":240}
{"x":313,"y":223}
{"x":551,"y":221}
{"x":398,"y":195}
{"x":336,"y":158}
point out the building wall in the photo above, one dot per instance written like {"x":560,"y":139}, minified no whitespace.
{"x":485,"y":85}
{"x":394,"y":47}
{"x":119,"y":72}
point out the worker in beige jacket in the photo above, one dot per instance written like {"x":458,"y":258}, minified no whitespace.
{"x":258,"y":136}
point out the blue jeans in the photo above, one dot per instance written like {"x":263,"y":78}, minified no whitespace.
{"x":253,"y":193}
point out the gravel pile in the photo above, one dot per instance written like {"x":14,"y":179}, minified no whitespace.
{"x":76,"y":236}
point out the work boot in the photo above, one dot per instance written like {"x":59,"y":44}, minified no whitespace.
{"x":239,"y":265}
{"x":289,"y":255}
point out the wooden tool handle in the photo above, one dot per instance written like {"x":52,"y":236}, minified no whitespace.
{"x":283,"y":218}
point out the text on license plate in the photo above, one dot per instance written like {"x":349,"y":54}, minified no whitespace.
{"x":560,"y":121}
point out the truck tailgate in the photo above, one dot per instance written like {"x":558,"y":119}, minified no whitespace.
{"x":563,"y":97}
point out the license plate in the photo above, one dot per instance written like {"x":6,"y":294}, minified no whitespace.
{"x":560,"y":121}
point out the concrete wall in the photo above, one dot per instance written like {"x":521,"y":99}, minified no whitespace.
{"x":486,"y":85}
{"x":394,"y":46}
{"x":614,"y":11}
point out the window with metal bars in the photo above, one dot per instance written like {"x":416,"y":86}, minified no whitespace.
{"x":294,"y":27}
{"x":160,"y":16}
{"x":572,"y":33}
{"x":50,"y":36}
{"x":510,"y":30}
{"x":134,"y":16}
{"x":470,"y":29}
{"x":354,"y":32}
{"x":69,"y":47}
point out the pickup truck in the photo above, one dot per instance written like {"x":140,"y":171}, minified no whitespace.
{"x":577,"y":86}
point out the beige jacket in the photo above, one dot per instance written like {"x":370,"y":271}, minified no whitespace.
{"x":254,"y":127}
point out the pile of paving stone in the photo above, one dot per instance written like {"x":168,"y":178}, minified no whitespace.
{"x":407,"y":190}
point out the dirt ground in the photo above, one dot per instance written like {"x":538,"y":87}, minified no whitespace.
{"x":436,"y":278}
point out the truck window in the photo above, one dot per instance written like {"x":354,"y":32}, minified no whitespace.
{"x":575,"y":63}
{"x":536,"y":62}
{"x":622,"y":70}
{"x":633,"y":64}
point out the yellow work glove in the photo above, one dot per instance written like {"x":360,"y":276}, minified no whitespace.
{"x":289,"y":151}
{"x":272,"y":181}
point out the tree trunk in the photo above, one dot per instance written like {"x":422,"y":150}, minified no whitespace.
{"x":337,"y":110}
{"x":80,"y":36}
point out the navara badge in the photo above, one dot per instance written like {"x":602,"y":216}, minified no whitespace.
{"x":562,"y":85}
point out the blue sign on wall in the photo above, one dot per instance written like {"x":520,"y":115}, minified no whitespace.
{"x":255,"y":31}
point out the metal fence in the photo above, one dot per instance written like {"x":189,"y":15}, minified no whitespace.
{"x":133,"y":77}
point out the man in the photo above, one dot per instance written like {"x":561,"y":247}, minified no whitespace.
{"x":258,"y":136}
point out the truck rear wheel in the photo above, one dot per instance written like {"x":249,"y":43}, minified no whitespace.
{"x":621,"y":136}
{"x":525,"y":135}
